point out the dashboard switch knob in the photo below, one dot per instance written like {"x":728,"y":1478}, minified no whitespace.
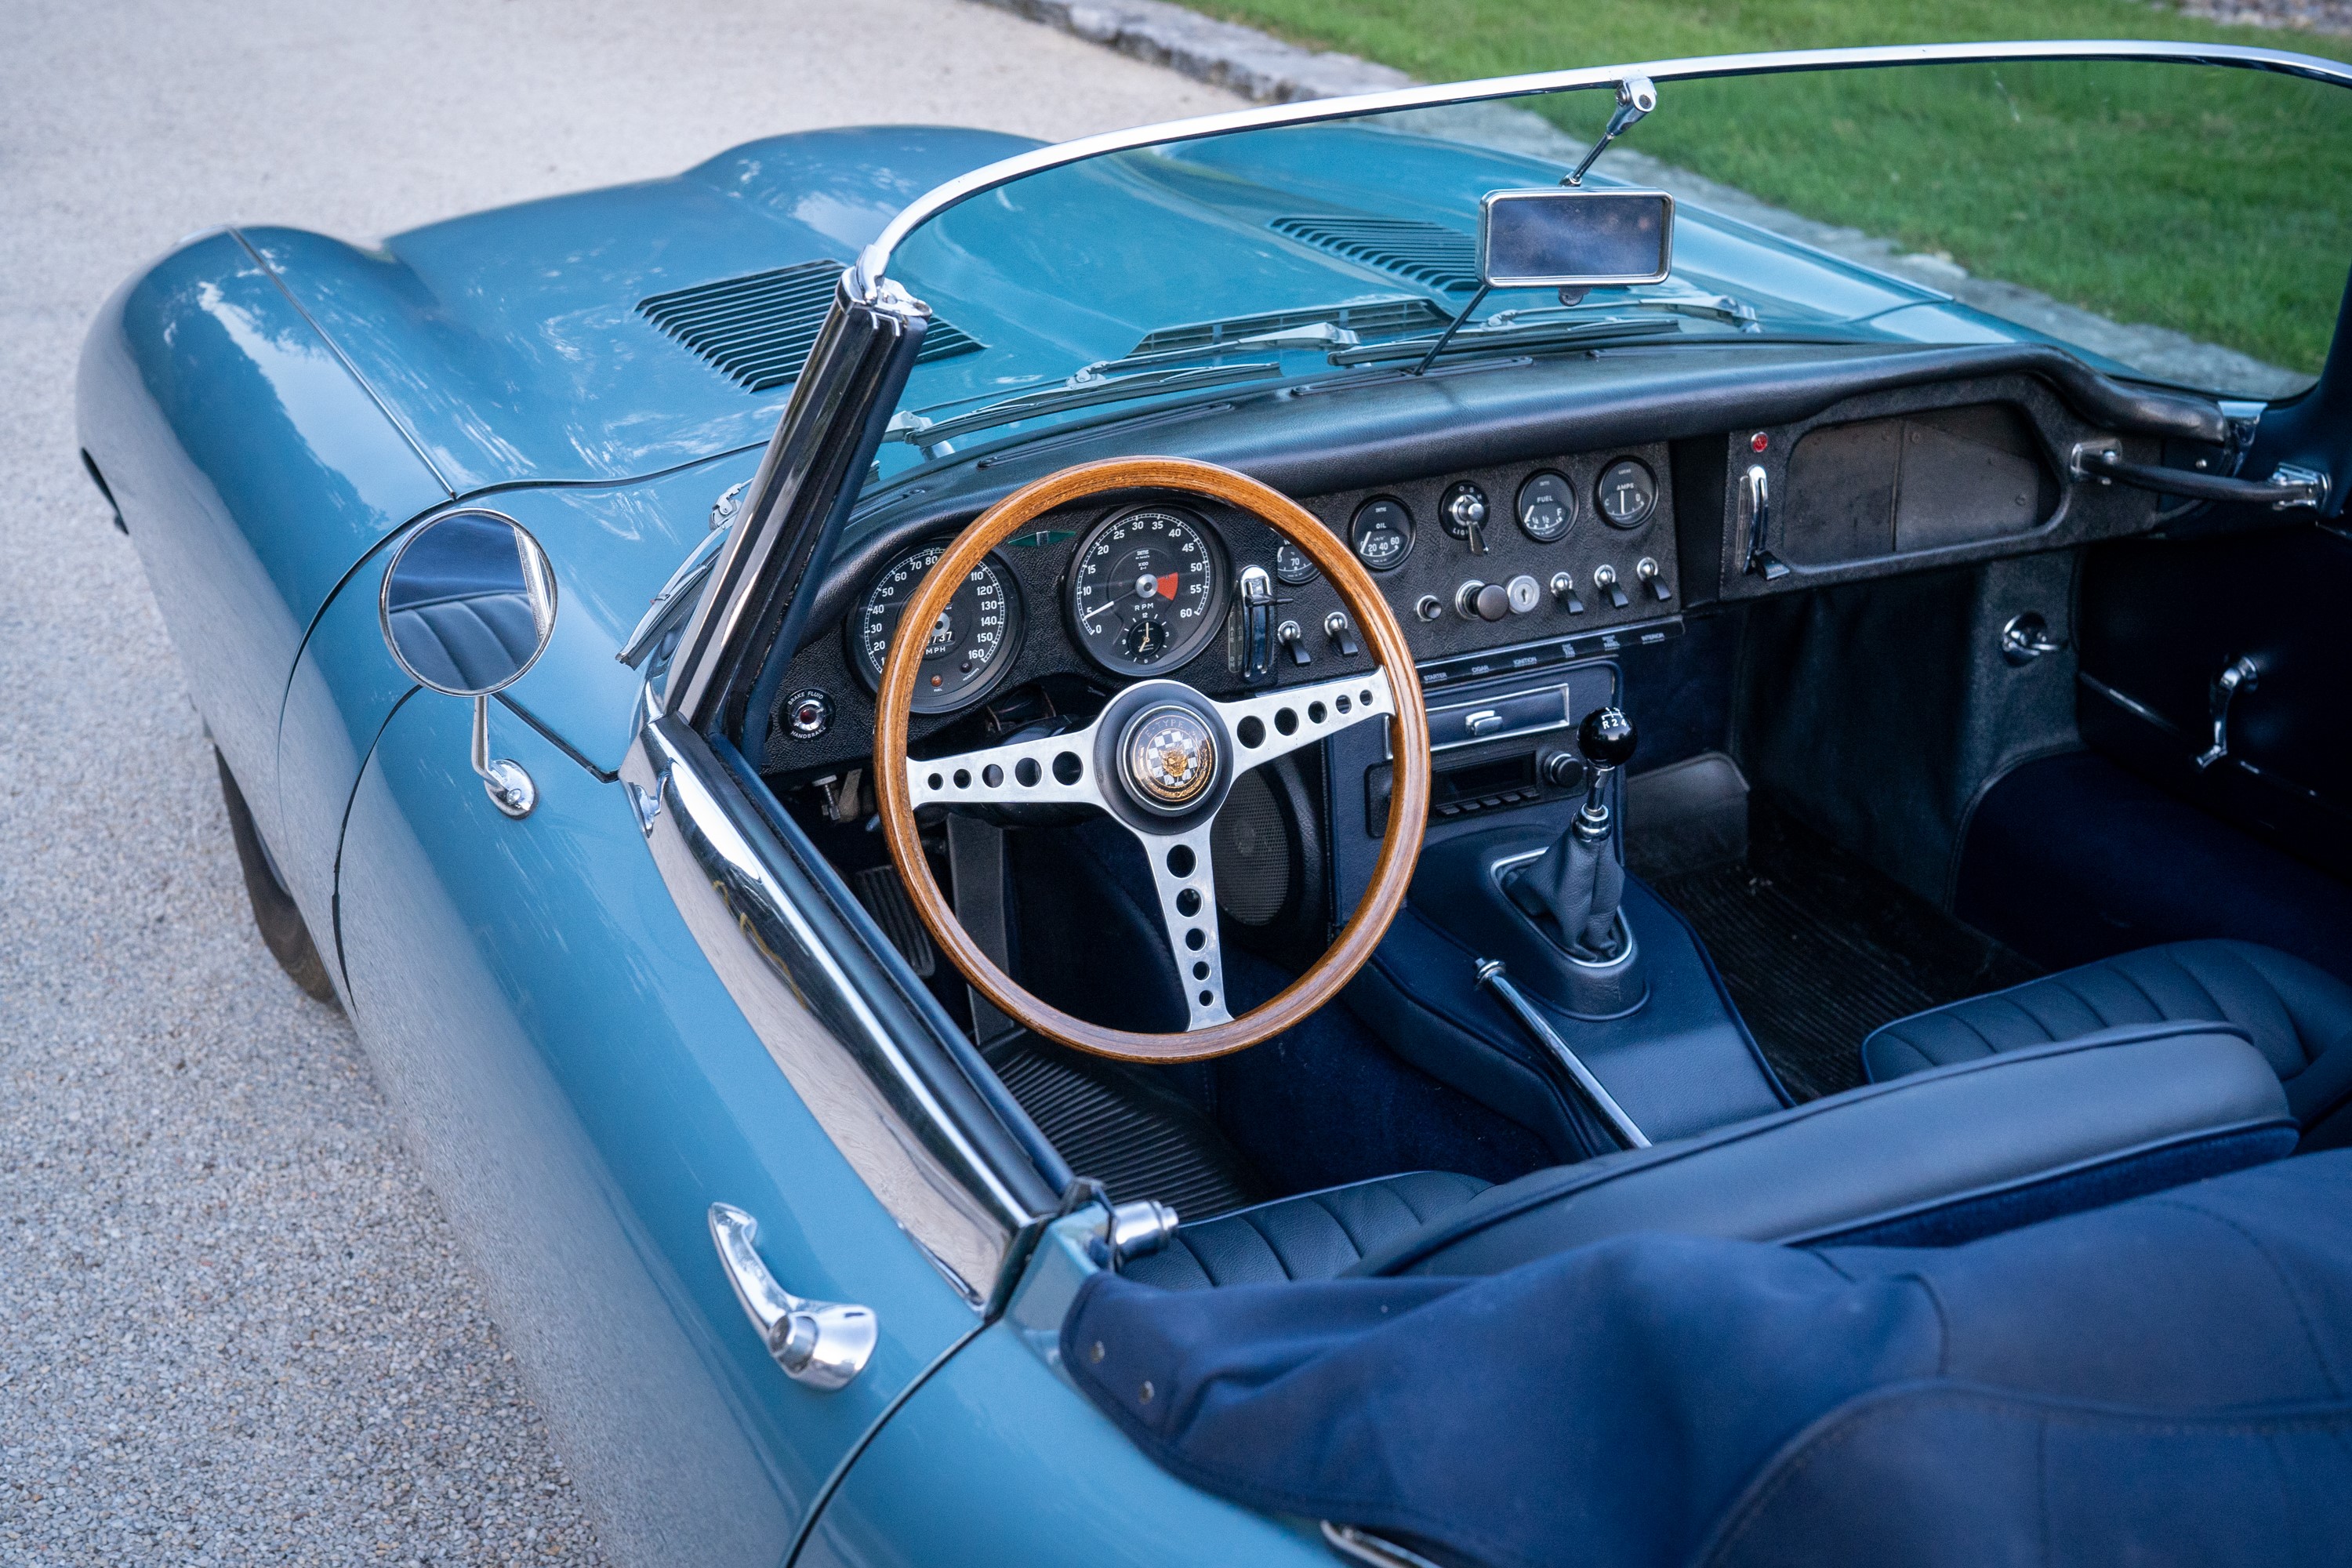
{"x":1342,"y":632}
{"x":1294,"y":639}
{"x":1604,"y":577}
{"x":1482,"y":601}
{"x":1429,"y":608}
{"x":1563,"y":593}
{"x":1465,"y":514}
{"x":1654,"y":580}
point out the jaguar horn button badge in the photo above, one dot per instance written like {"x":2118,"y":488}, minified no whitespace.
{"x":1169,"y":757}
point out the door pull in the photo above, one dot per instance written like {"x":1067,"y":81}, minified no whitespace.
{"x":2240,"y":676}
{"x":823,"y":1344}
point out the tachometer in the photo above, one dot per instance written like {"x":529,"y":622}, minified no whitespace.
{"x":971,"y":644}
{"x":1146,"y":590}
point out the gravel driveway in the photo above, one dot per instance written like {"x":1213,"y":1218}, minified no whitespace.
{"x":234,"y":1326}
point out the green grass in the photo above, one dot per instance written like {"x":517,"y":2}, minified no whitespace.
{"x":2209,"y":201}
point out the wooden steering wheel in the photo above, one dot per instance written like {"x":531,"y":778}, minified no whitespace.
{"x":1159,"y":759}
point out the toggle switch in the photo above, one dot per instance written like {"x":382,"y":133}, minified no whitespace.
{"x":1465,"y":514}
{"x":1563,"y":593}
{"x":1341,"y":631}
{"x":1646,"y":569}
{"x":1604,"y":577}
{"x":1293,"y":638}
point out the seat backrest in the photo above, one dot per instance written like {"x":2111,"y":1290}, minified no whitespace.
{"x":1931,"y":1159}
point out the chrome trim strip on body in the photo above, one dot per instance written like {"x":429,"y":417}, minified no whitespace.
{"x":924,"y":1159}
{"x":873,"y":263}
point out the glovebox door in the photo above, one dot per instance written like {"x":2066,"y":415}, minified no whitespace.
{"x":581,"y":1089}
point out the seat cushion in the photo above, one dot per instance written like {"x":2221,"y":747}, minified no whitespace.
{"x":2297,"y":1016}
{"x":1315,"y":1236}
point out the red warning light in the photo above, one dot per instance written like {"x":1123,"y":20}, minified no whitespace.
{"x":1758,"y":441}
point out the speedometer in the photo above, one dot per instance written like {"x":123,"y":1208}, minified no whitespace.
{"x":1146,"y":590}
{"x":970,"y":645}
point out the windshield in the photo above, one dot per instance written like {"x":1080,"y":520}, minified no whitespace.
{"x":2172,"y":221}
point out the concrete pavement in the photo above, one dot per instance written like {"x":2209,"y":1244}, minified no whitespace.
{"x":234,"y":1326}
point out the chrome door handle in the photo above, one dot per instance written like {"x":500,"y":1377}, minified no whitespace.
{"x":823,"y":1344}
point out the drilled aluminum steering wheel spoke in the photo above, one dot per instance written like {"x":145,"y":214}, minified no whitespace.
{"x":1187,"y":886}
{"x":1057,"y":770}
{"x":1265,"y":726}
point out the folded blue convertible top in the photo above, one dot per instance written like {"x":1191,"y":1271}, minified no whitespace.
{"x":2162,"y":1381}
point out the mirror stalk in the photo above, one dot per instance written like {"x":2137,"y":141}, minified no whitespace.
{"x":1452,"y":327}
{"x":508,"y":786}
{"x":1636,"y":96}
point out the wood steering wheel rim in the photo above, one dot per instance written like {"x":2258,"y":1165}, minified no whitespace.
{"x":1408,"y":738}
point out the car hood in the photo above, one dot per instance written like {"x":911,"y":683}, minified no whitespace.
{"x":522,"y":345}
{"x":509,"y":344}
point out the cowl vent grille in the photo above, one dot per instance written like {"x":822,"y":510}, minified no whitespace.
{"x":757,"y":329}
{"x":1374,"y":319}
{"x":1428,"y":254}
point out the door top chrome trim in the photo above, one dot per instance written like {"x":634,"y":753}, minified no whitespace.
{"x":863,"y":279}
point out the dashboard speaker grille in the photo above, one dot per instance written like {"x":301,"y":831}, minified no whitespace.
{"x":1249,"y":845}
{"x":1429,"y":254}
{"x":757,"y":329}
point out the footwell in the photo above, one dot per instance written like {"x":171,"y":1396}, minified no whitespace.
{"x":1819,"y":949}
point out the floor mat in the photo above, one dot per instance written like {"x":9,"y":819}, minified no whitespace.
{"x":1138,"y":1139}
{"x":1819,"y":949}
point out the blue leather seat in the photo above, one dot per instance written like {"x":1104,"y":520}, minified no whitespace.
{"x":1934,"y":1158}
{"x":2297,"y":1016}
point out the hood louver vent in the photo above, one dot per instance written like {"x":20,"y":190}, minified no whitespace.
{"x":757,"y":330}
{"x":1373,"y":319}
{"x":1428,"y":254}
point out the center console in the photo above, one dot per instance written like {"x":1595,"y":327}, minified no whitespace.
{"x":1527,"y":970}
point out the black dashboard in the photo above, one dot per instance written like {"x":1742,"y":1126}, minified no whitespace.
{"x":1499,"y":565}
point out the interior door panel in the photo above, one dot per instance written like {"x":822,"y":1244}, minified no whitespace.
{"x":2158,"y":622}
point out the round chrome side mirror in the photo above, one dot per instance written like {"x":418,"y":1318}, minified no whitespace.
{"x":467,"y":606}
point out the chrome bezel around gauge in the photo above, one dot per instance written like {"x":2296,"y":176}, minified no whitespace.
{"x":854,"y":631}
{"x":1182,"y":648}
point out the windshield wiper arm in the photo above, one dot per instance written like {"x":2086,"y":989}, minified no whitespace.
{"x":1511,"y":339}
{"x":1313,"y":335}
{"x":917,"y":431}
{"x":1712,"y":307}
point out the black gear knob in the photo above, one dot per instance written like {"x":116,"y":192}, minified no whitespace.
{"x":1606,"y":737}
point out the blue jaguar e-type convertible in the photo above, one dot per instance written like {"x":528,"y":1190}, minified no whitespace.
{"x":1406,"y":827}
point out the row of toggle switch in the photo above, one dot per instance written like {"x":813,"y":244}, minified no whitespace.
{"x":1336,"y":626}
{"x":1478,"y":600}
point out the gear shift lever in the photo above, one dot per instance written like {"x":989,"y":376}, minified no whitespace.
{"x":1581,"y":879}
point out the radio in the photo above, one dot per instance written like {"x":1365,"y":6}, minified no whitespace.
{"x":1498,"y":751}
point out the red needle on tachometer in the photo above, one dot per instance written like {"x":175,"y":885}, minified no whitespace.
{"x":1166,"y":586}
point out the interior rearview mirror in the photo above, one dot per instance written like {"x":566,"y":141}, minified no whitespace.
{"x":467,"y":606}
{"x":1551,"y":237}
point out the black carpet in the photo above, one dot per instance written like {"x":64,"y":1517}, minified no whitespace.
{"x":1134,"y":1136}
{"x":1819,"y":949}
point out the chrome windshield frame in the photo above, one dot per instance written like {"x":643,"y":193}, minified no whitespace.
{"x":866,"y":275}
